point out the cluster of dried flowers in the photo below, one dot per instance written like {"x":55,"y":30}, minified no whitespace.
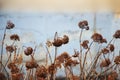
{"x":34,"y":71}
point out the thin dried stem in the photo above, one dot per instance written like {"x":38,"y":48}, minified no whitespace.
{"x":86,"y":54}
{"x":49,"y":54}
{"x":8,"y":60}
{"x":2,"y":46}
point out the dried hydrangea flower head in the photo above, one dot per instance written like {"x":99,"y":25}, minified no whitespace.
{"x":10,"y":49}
{"x":85,"y":44}
{"x":117,"y":60}
{"x":105,"y":63}
{"x":15,"y":37}
{"x":117,"y":34}
{"x":41,"y":73}
{"x":28,"y":51}
{"x":2,"y":76}
{"x":83,"y":25}
{"x":97,"y":37}
{"x":65,"y":39}
{"x":10,"y":25}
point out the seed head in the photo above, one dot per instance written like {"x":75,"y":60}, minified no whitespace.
{"x":117,"y":34}
{"x":85,"y":44}
{"x":10,"y":25}
{"x":83,"y":25}
{"x":10,"y":49}
{"x":58,"y":42}
{"x":15,"y":37}
{"x":117,"y":60}
{"x":97,"y":37}
{"x":28,"y":51}
{"x":105,"y":63}
{"x":65,"y":39}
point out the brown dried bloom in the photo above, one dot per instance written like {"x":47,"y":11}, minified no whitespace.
{"x":111,"y":47}
{"x":2,"y":76}
{"x":58,"y":42}
{"x":83,"y":25}
{"x":70,"y":62}
{"x":10,"y":25}
{"x":58,"y":64}
{"x":49,"y":43}
{"x":63,"y":57}
{"x":85,"y":44}
{"x":52,"y":69}
{"x":10,"y":49}
{"x":65,"y":39}
{"x":31,"y":64}
{"x":113,"y":75}
{"x":105,"y":63}
{"x":117,"y":60}
{"x":14,"y":69}
{"x":117,"y":34}
{"x":28,"y":51}
{"x":15,"y":37}
{"x":105,"y":51}
{"x":97,"y":37}
{"x":17,"y":76}
{"x":74,"y":77}
{"x":41,"y":72}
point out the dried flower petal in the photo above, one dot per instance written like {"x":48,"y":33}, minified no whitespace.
{"x":105,"y":63}
{"x":10,"y":25}
{"x":117,"y":34}
{"x":15,"y":37}
{"x":28,"y":51}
